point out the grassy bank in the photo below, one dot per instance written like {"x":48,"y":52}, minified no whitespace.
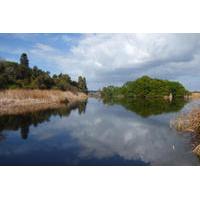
{"x":20,"y":100}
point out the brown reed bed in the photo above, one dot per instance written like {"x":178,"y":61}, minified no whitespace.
{"x":188,"y":122}
{"x":194,"y":95}
{"x":19,"y":100}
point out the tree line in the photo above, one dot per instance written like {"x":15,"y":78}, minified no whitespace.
{"x":19,"y":75}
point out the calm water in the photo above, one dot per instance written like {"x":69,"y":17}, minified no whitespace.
{"x":97,"y":133}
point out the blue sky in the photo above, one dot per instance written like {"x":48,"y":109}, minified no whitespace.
{"x":12,"y":45}
{"x":106,"y":59}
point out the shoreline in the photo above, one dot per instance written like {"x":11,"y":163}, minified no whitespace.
{"x":194,"y":95}
{"x":19,"y":101}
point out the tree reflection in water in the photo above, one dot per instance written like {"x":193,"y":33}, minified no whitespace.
{"x":148,"y":107}
{"x":24,"y":121}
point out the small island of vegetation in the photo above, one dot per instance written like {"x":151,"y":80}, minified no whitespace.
{"x":146,"y":87}
{"x":23,"y":88}
{"x":147,"y":96}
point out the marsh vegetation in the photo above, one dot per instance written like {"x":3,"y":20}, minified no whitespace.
{"x":21,"y":101}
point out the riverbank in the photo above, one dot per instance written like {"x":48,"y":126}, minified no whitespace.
{"x":194,"y":95}
{"x":20,"y":100}
{"x":189,"y":122}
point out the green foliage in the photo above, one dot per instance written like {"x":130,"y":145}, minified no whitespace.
{"x":146,"y":87}
{"x":62,"y":81}
{"x":82,"y":84}
{"x":43,"y":81}
{"x":14,"y":75}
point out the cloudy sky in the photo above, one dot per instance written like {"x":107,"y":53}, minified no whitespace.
{"x":106,"y":59}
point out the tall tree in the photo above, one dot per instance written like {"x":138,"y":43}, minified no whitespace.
{"x":82,"y":84}
{"x":85,"y":85}
{"x":24,"y":60}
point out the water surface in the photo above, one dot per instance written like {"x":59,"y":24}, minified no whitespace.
{"x":97,"y":133}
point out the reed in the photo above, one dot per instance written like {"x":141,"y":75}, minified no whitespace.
{"x":188,"y":122}
{"x":12,"y":101}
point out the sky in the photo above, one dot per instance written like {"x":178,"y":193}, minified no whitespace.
{"x":110,"y":59}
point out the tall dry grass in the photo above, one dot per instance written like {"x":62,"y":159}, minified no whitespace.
{"x":195,"y":95}
{"x":12,"y":101}
{"x":188,"y":122}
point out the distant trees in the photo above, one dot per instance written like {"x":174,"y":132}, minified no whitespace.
{"x":24,"y":60}
{"x":146,"y":87}
{"x":14,"y":75}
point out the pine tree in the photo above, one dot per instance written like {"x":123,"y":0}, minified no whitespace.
{"x":82,"y":84}
{"x":24,"y":60}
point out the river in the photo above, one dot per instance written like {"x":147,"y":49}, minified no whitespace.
{"x":98,"y":133}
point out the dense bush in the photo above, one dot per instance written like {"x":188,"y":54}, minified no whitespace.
{"x":146,"y":87}
{"x":14,"y":75}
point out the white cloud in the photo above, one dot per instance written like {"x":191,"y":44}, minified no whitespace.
{"x":44,"y":48}
{"x":103,"y":57}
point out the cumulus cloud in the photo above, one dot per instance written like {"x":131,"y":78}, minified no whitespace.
{"x":115,"y":58}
